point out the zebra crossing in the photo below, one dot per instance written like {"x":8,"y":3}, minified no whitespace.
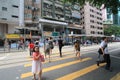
{"x":70,"y":76}
{"x":70,"y":68}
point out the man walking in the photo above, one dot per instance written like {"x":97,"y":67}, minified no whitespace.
{"x":106,"y":55}
{"x":60,"y":44}
{"x":30,"y":47}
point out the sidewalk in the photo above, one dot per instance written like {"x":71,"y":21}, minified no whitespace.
{"x":55,"y":50}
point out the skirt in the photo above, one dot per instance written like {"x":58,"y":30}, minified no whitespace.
{"x":36,"y":66}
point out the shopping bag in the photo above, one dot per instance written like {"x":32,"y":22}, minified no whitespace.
{"x":42,"y":58}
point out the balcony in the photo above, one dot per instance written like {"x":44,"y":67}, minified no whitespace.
{"x":59,"y":18}
{"x":35,"y":9}
{"x":35,"y":18}
{"x":58,"y":12}
{"x":59,"y":2}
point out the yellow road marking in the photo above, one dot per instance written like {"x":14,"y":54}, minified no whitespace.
{"x":116,"y":77}
{"x":56,"y":67}
{"x":58,"y":59}
{"x":55,"y":55}
{"x":79,"y":73}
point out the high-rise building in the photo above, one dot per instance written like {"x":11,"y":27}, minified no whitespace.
{"x":32,"y":13}
{"x":9,"y":16}
{"x":110,"y":18}
{"x":91,"y":20}
{"x":52,"y":17}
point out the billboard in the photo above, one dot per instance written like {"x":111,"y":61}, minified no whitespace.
{"x":107,"y":22}
{"x":12,"y":36}
{"x":76,"y":14}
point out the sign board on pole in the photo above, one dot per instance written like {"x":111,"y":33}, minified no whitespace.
{"x":107,"y":22}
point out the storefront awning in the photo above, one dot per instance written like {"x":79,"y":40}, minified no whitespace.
{"x":79,"y":28}
{"x":29,"y":28}
{"x":79,"y":35}
{"x":52,"y":22}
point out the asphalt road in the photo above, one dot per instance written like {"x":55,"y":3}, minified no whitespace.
{"x":18,"y":66}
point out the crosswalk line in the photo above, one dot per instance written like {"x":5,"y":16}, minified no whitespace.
{"x":58,"y":59}
{"x":25,"y":75}
{"x":116,"y":77}
{"x":55,"y":55}
{"x":79,"y":73}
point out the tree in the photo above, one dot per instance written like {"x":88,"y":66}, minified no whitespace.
{"x":112,"y":30}
{"x":113,"y":5}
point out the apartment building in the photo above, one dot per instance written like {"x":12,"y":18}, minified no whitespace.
{"x":32,"y":13}
{"x":9,"y":16}
{"x":114,"y":18}
{"x":65,"y":14}
{"x":91,"y":20}
{"x":52,"y":17}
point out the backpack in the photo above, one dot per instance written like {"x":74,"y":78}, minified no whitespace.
{"x":100,"y":51}
{"x":51,"y":45}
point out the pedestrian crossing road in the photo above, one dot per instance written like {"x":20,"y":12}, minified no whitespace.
{"x":68,"y":67}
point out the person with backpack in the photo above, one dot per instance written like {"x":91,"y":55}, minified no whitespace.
{"x":104,"y":51}
{"x":77,"y":48}
{"x":47,"y":49}
{"x":50,"y":42}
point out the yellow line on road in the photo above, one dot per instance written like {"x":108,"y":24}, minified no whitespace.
{"x":58,"y":59}
{"x":56,"y":67}
{"x":79,"y":73}
{"x":55,"y":55}
{"x":116,"y":77}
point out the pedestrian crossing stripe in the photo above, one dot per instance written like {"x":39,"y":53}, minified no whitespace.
{"x":58,"y":59}
{"x":25,"y":75}
{"x":116,"y":77}
{"x":55,"y":55}
{"x":79,"y":73}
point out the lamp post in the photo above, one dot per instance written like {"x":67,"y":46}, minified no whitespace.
{"x":72,"y":36}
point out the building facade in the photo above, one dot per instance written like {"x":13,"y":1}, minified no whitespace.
{"x":32,"y":13}
{"x":52,"y":17}
{"x":91,"y":20}
{"x":9,"y":16}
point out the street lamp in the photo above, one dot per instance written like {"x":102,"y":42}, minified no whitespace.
{"x":72,"y":35}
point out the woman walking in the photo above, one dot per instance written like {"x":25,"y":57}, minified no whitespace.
{"x":77,"y":49}
{"x":37,"y":63}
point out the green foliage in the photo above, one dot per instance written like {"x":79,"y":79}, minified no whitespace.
{"x":112,"y":30}
{"x":112,"y":4}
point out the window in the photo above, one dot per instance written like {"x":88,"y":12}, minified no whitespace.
{"x":91,"y":15}
{"x":14,"y":16}
{"x":4,"y":18}
{"x":4,"y":8}
{"x":92,"y":21}
{"x":91,"y":10}
{"x":92,"y":26}
{"x":92,"y":32}
{"x":15,"y":6}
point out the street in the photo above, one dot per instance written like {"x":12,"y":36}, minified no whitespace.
{"x":17,"y":66}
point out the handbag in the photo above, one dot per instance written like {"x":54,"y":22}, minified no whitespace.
{"x":100,"y":51}
{"x":42,"y":58}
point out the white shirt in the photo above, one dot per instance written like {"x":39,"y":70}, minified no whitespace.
{"x":103,"y":43}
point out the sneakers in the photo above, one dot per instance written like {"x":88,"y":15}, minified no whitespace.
{"x":109,"y":69}
{"x":97,"y":63}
